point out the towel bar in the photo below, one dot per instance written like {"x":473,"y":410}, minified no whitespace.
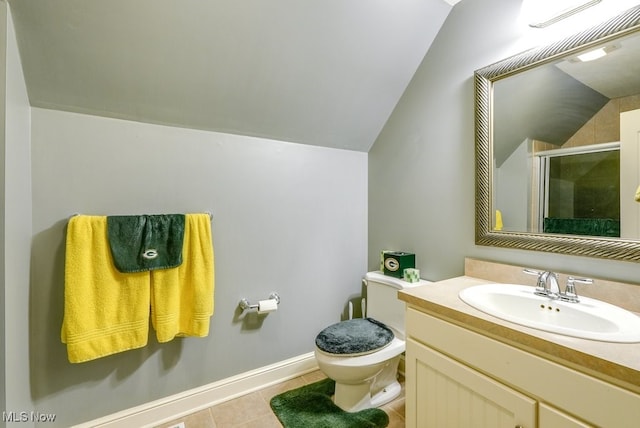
{"x":209,"y":213}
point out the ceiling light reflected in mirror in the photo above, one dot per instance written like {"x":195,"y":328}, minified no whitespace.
{"x":592,"y":55}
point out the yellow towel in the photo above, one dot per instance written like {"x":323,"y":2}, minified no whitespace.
{"x":105,"y":311}
{"x":182,"y":298}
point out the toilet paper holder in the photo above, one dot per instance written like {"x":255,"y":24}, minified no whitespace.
{"x":245,"y":305}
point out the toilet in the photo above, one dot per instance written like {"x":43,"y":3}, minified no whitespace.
{"x":362,"y":355}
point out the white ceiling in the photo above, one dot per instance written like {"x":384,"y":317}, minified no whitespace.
{"x":320,"y":72}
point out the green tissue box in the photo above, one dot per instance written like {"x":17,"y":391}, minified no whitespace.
{"x":395,"y":262}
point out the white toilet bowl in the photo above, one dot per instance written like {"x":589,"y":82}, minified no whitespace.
{"x":363,"y":380}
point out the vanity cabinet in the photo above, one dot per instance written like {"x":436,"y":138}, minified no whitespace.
{"x":448,"y":393}
{"x":456,"y":377}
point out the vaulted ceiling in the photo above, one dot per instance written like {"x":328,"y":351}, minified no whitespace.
{"x":319,"y":72}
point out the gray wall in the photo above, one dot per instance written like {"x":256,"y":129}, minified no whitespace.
{"x":3,"y":180}
{"x":287,"y":217}
{"x":16,"y":225}
{"x":421,"y":168}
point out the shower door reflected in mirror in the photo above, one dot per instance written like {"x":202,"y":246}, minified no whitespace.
{"x":579,"y":193}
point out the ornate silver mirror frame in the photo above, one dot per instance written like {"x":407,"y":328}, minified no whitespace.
{"x":609,"y":248}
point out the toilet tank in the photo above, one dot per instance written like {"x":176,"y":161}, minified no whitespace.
{"x":382,"y":299}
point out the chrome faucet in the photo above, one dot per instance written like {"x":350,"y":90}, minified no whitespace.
{"x":547,"y":286}
{"x":549,"y":282}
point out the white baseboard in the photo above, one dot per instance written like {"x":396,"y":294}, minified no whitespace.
{"x":181,"y":404}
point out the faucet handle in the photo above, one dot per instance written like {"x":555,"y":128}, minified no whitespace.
{"x":570,"y":294}
{"x":532,"y":272}
{"x":580,"y":280}
{"x":540,"y":284}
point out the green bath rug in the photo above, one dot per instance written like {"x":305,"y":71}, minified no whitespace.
{"x":311,"y":407}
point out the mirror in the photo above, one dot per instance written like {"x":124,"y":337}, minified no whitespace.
{"x":555,"y":169}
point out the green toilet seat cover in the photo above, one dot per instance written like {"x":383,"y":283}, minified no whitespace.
{"x":356,"y":336}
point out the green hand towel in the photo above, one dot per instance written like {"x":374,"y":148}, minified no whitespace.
{"x":146,"y":242}
{"x":583,"y":226}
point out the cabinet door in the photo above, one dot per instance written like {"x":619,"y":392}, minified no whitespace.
{"x":442,"y":393}
{"x":551,"y":417}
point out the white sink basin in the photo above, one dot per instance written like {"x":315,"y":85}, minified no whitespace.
{"x":588,"y":319}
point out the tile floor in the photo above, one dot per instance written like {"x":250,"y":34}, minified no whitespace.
{"x":253,"y":411}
